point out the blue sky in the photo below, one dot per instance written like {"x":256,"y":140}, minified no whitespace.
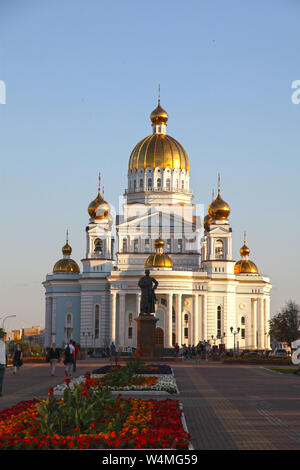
{"x":82,"y":80}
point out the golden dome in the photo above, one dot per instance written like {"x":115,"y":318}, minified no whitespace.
{"x":66,"y":249}
{"x":159,"y":115}
{"x":244,"y":250}
{"x":245,"y":266}
{"x":99,"y":208}
{"x":66,"y":265}
{"x":159,"y":243}
{"x":159,"y":150}
{"x":159,"y":259}
{"x":206,"y":221}
{"x":219,"y":209}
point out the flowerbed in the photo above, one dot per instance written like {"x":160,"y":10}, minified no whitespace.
{"x":164,"y":383}
{"x":88,"y":419}
{"x":149,"y":369}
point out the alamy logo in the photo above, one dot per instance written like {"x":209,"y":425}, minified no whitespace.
{"x":296,"y":95}
{"x":2,"y":92}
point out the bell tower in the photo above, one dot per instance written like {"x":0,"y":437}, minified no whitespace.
{"x":217,"y":241}
{"x":99,"y":237}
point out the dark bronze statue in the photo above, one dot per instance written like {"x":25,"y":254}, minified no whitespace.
{"x":147,"y":285}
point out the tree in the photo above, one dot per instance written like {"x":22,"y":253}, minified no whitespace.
{"x":285,"y":325}
{"x":2,"y":333}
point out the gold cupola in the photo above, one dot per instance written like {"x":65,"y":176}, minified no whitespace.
{"x":66,"y":264}
{"x":245,"y":265}
{"x":206,"y":222}
{"x":99,"y":208}
{"x":159,"y":149}
{"x":159,"y":259}
{"x":219,"y":209}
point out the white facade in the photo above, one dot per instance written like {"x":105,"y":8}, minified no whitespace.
{"x":201,"y":298}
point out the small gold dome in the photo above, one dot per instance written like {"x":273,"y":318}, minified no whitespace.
{"x":245,"y":266}
{"x":245,"y":251}
{"x":159,"y":150}
{"x":158,"y":260}
{"x":99,"y":208}
{"x":206,"y":221}
{"x":66,"y":249}
{"x":66,"y":265}
{"x":159,"y":243}
{"x":159,"y":115}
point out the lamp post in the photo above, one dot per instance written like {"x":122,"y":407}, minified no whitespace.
{"x":234,"y":334}
{"x":7,"y":316}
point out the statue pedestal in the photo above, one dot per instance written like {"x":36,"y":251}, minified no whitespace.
{"x":146,"y":325}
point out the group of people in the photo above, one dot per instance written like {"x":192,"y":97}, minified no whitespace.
{"x":203,"y":351}
{"x":69,"y":357}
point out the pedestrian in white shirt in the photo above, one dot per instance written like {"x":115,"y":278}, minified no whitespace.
{"x":2,"y":361}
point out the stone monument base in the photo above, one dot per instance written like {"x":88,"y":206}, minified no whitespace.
{"x":146,"y":325}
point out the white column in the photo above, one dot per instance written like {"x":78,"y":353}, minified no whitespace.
{"x":196,"y":318}
{"x":168,"y":322}
{"x":267,"y":324}
{"x":253,"y":323}
{"x":121,"y":320}
{"x":260,"y":323}
{"x":179,"y":319}
{"x":113,"y":297}
{"x":204,"y":317}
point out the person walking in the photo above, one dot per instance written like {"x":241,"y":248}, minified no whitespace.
{"x":69,"y":359}
{"x":17,"y":359}
{"x":112,"y":349}
{"x":76,"y":353}
{"x":2,"y":360}
{"x":53,"y":356}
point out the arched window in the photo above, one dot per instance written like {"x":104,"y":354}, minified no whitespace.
{"x":134,"y":184}
{"x":219,"y":321}
{"x":182,"y":184}
{"x":149,"y":183}
{"x":168,"y":184}
{"x":124,"y":248}
{"x":159,"y":182}
{"x":141,"y":183}
{"x":98,"y":246}
{"x":97,"y":321}
{"x":219,"y":249}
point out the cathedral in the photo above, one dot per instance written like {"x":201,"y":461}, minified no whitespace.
{"x":202,"y":293}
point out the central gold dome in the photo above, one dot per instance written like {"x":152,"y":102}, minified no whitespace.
{"x":159,"y":150}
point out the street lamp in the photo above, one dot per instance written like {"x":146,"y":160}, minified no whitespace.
{"x":7,"y":316}
{"x":234,"y":334}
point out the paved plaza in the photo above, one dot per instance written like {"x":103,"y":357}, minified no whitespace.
{"x":226,"y":406}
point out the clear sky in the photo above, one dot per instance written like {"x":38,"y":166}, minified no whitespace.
{"x":81,"y":81}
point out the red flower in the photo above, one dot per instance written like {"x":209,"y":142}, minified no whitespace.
{"x":50,"y":391}
{"x":84,"y":392}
